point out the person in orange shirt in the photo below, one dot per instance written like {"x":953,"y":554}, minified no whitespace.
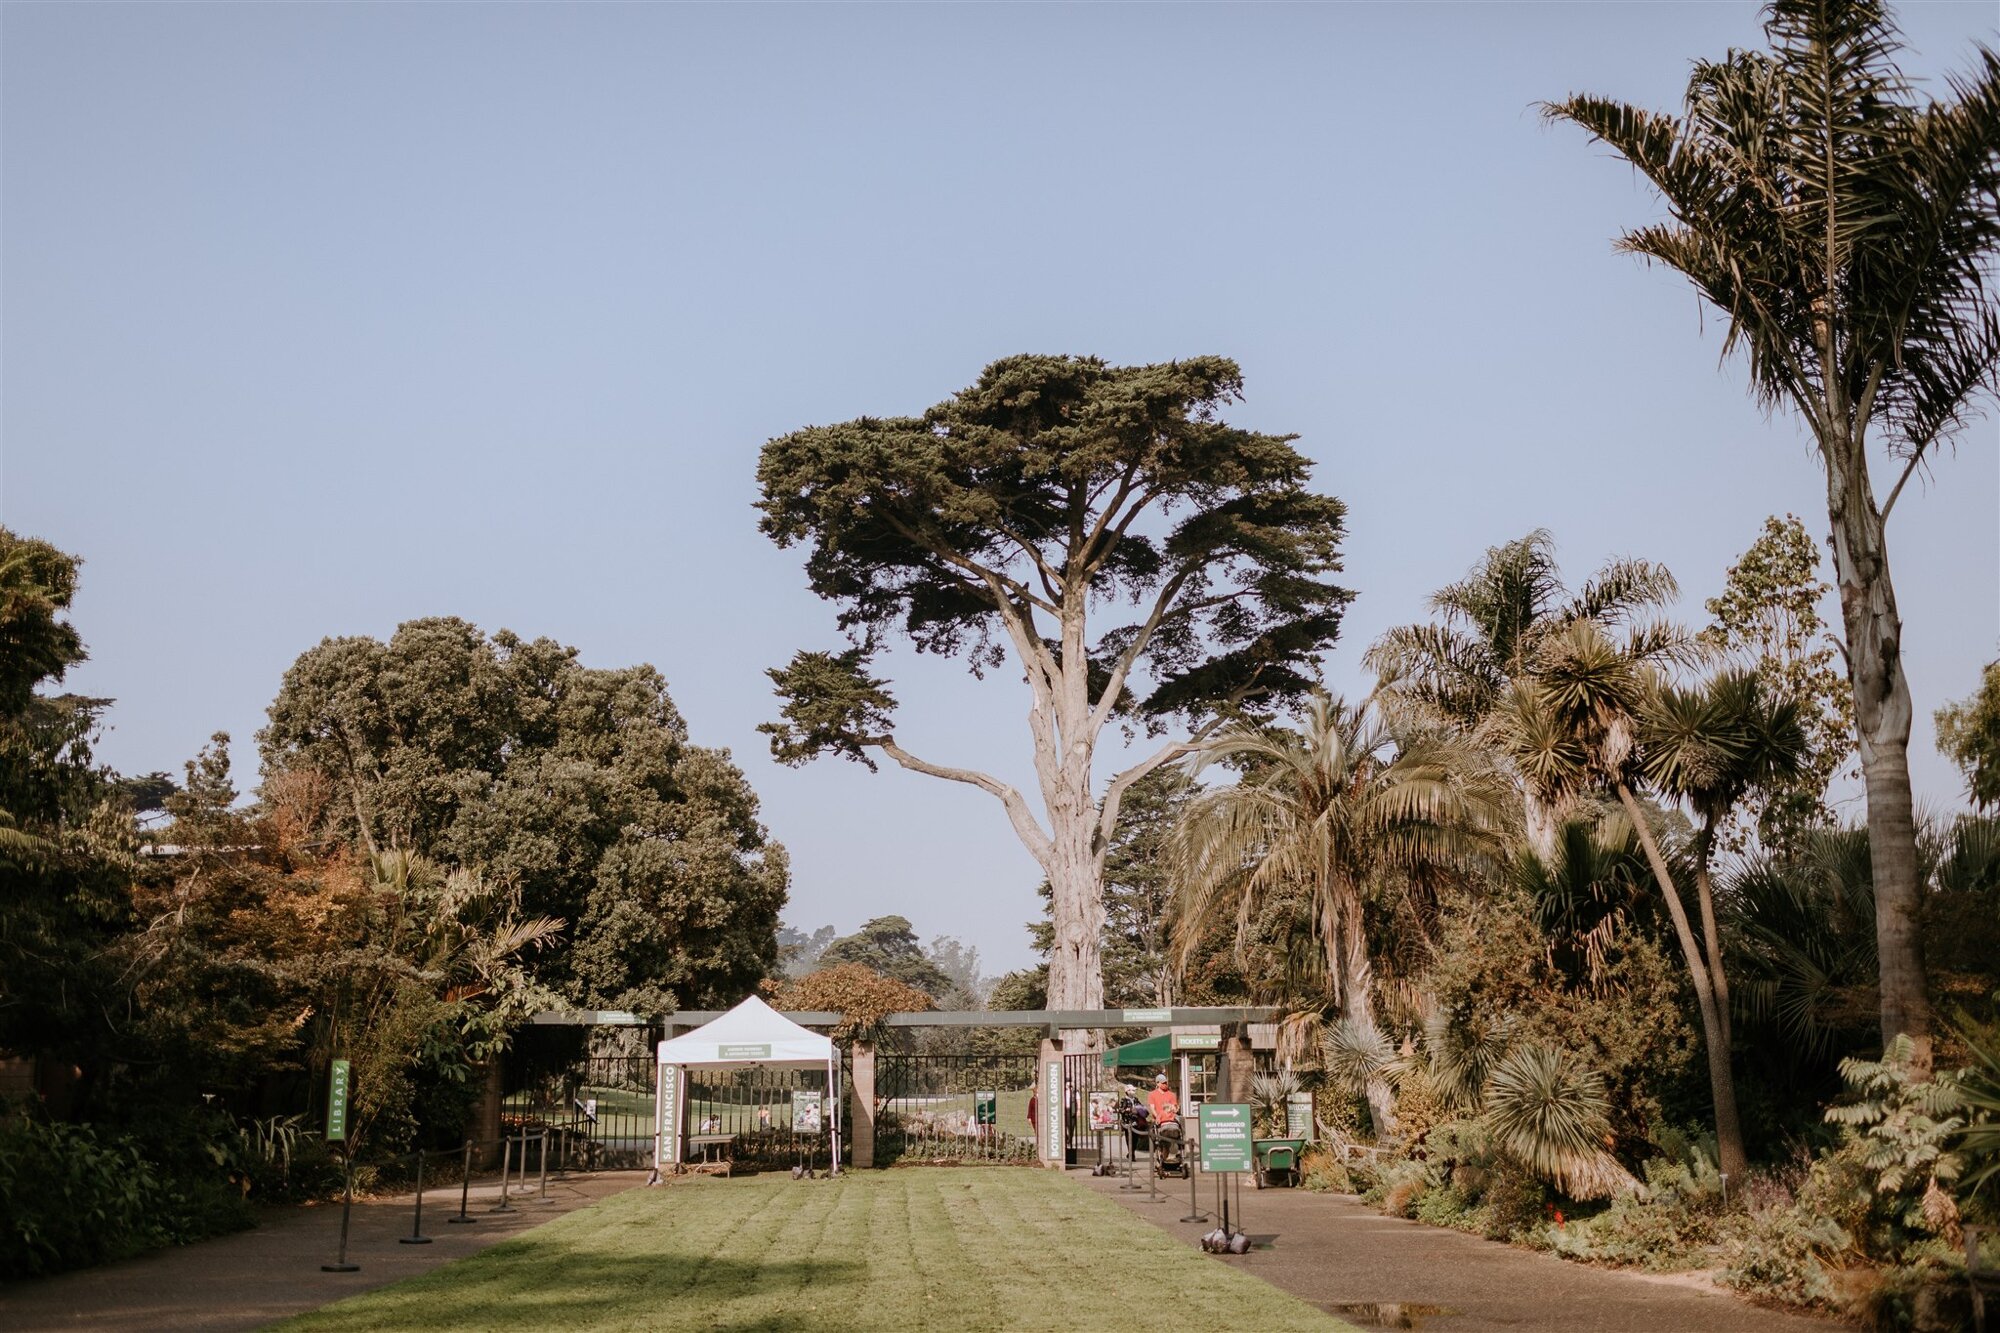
{"x":1166,"y":1107}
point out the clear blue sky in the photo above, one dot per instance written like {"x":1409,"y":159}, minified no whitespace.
{"x":321,"y":317}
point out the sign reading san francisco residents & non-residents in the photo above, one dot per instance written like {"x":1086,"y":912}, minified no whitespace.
{"x":1225,"y":1137}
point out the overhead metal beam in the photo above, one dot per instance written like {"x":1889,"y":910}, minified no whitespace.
{"x":1184,"y":1016}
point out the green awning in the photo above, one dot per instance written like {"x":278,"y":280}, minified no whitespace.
{"x":1152,"y":1051}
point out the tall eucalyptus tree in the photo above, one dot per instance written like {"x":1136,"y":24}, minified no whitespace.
{"x":1016,"y":518}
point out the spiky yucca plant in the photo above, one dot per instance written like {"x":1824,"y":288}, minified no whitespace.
{"x":1549,"y":1110}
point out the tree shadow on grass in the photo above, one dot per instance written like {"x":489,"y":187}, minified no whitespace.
{"x":495,"y":1290}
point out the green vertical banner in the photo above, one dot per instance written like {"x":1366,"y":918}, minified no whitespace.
{"x":336,"y":1102}
{"x":986,"y":1108}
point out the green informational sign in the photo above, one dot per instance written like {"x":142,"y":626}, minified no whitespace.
{"x":985,"y":1108}
{"x":749,"y":1051}
{"x":1149,"y":1015}
{"x":1198,"y":1041}
{"x":1299,"y":1116}
{"x":336,"y":1102}
{"x":1225,"y":1137}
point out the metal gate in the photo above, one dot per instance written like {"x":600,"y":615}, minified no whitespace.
{"x":601,"y":1107}
{"x":1084,"y":1074}
{"x":954,"y":1108}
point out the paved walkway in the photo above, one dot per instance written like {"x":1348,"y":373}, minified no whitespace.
{"x":257,"y":1277}
{"x":1386,"y":1272}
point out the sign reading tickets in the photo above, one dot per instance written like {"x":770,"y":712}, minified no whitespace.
{"x":1052,"y":1111}
{"x":986,"y":1108}
{"x":1225,"y":1137}
{"x":670,"y":1114}
{"x":1198,"y":1041}
{"x":746,"y":1051}
{"x":336,"y":1102}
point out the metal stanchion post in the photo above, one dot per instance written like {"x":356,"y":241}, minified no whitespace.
{"x":1131,"y":1160}
{"x":417,"y":1236}
{"x":1192,"y":1156}
{"x":506,"y":1162}
{"x":544,"y":1163}
{"x":341,"y":1265}
{"x":465,"y":1189}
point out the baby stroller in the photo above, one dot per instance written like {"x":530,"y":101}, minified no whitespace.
{"x":1170,"y":1150}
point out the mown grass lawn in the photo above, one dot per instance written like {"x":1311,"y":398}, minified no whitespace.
{"x":951,"y":1249}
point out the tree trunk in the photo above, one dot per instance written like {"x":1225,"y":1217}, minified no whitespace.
{"x":1882,"y":711}
{"x":1357,"y":1005}
{"x":1543,"y":818}
{"x":1729,"y":1151}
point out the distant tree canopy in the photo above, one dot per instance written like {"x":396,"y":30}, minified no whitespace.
{"x":888,"y":947}
{"x":576,"y":787}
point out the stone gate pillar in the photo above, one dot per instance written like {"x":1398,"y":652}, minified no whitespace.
{"x":861,"y":1134}
{"x":1050,"y":1143}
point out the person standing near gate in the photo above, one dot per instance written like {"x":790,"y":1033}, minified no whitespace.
{"x":1166,"y":1107}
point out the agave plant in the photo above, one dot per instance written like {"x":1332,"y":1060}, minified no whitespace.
{"x":1269,"y":1094}
{"x":1548,"y":1110}
{"x":1355,"y":1057}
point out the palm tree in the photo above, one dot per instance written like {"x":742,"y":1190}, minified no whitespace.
{"x":1491,"y":623}
{"x":1588,"y":716}
{"x":1846,"y":230}
{"x":1320,"y":812}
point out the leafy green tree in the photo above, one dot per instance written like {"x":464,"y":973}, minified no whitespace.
{"x":1846,"y":230}
{"x":1768,"y":620}
{"x":888,"y":947}
{"x":66,"y":840}
{"x":1491,"y":624}
{"x":1015,"y":518}
{"x":576,"y":787}
{"x":1321,"y":812}
{"x":1139,"y":966}
{"x":1969,"y":732}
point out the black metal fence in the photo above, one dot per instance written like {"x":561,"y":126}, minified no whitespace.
{"x":602,"y":1104}
{"x":954,"y":1108}
{"x":770,"y":1117}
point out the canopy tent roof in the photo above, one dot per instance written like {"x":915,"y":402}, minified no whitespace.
{"x":1154,"y":1050}
{"x":753,"y":1033}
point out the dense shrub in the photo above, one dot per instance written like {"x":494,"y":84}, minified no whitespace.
{"x":1670,"y":1227}
{"x":76,"y":1197}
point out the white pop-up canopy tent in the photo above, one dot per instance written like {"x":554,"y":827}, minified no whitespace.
{"x":751,"y":1034}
